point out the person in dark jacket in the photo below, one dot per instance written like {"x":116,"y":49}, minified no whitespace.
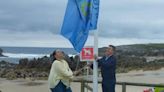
{"x":107,"y":64}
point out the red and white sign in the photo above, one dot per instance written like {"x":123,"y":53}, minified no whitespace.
{"x":87,"y":54}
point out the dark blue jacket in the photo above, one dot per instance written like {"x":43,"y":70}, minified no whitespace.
{"x":108,"y":68}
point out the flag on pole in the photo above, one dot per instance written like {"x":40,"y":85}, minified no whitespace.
{"x":80,"y":17}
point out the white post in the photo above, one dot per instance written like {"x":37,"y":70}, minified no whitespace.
{"x":87,"y":72}
{"x":95,"y":78}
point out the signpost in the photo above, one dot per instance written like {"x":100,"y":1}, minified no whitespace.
{"x":87,"y":54}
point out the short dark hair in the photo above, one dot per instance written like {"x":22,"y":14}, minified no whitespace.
{"x":113,"y":47}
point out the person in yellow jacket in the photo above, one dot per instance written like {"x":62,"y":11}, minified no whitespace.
{"x":60,"y":74}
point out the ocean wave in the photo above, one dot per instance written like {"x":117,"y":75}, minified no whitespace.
{"x":22,"y":55}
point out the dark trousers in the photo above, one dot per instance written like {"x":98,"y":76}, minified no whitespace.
{"x":108,"y":86}
{"x":61,"y":88}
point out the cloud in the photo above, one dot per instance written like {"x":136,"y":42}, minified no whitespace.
{"x":29,"y":15}
{"x":119,"y":19}
{"x":33,"y":39}
{"x":132,"y":19}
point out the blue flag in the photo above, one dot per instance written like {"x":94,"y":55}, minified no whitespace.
{"x":80,"y":17}
{"x":89,"y":11}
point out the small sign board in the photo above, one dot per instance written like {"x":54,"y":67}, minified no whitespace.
{"x":87,"y":54}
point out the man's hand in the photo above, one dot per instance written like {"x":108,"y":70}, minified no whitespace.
{"x":95,"y":57}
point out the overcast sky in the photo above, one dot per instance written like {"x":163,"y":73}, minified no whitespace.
{"x":38,"y":22}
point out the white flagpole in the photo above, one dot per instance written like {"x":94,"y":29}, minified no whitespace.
{"x":95,"y":75}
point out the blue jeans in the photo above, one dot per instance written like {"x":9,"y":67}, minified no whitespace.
{"x":61,"y":88}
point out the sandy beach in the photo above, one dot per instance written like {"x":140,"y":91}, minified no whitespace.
{"x":21,"y":85}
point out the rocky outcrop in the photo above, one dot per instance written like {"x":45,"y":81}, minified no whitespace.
{"x":128,"y":58}
{"x":7,"y":70}
{"x":4,"y":64}
{"x":40,"y":64}
{"x":1,"y":53}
